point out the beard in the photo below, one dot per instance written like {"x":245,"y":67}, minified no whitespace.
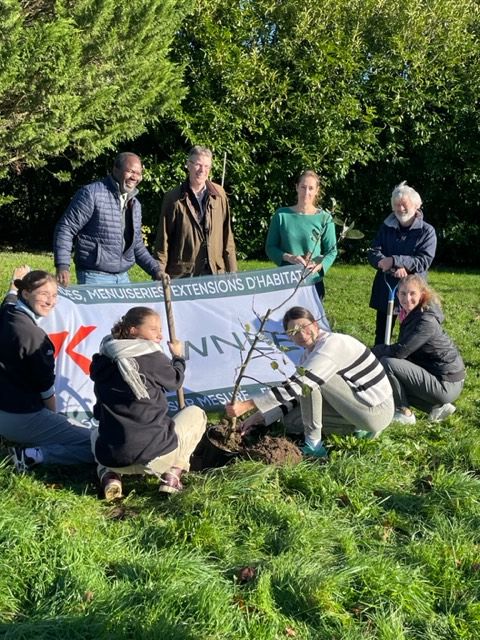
{"x":405,"y":219}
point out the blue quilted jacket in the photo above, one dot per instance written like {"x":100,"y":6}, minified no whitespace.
{"x":93,"y":223}
{"x":410,"y":247}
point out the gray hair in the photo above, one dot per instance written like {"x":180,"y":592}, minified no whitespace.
{"x":121,"y":158}
{"x":402,"y":190}
{"x":198,"y":150}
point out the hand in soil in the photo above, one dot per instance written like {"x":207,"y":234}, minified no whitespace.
{"x":252,"y":421}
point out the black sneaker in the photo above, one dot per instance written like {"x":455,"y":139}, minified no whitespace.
{"x":21,"y":462}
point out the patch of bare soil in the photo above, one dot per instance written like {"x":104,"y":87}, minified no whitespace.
{"x":259,"y":446}
{"x":274,"y":450}
{"x":224,"y":438}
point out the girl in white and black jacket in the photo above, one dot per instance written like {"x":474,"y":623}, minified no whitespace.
{"x":135,"y":433}
{"x":339,"y":387}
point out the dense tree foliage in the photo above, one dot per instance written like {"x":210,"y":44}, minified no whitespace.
{"x":366,"y":92}
{"x":79,"y":76}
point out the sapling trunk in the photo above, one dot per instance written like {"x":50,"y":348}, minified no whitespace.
{"x":347,"y":232}
{"x":248,"y":357}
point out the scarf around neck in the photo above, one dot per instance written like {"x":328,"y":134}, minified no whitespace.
{"x":123,"y":353}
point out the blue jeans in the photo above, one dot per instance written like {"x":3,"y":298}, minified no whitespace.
{"x":61,"y":440}
{"x":101,"y":277}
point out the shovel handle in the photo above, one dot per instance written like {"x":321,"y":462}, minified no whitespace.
{"x":167,"y":294}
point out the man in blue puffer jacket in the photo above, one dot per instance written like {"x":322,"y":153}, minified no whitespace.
{"x":104,"y":222}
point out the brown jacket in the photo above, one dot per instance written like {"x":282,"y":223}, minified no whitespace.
{"x":184,"y":246}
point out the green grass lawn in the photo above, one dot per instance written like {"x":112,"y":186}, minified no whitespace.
{"x":381,"y":542}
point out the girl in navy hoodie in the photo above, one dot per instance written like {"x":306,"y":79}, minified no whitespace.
{"x":135,"y":433}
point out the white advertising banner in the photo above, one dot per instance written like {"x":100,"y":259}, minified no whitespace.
{"x":214,"y":315}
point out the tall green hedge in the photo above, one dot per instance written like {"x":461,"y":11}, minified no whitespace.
{"x":366,"y":92}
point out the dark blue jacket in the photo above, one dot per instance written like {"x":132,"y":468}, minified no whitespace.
{"x":103,"y":240}
{"x":410,"y":247}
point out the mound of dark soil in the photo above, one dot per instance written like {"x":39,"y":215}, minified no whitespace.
{"x":274,"y":450}
{"x":260,"y":446}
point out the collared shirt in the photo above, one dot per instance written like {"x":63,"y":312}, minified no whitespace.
{"x":200,"y":198}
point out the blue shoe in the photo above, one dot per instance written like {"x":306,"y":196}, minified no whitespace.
{"x":318,"y":452}
{"x":361,"y":434}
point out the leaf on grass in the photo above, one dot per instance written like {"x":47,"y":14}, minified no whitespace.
{"x":122,"y":513}
{"x":425,"y":484}
{"x":386,"y":534}
{"x":245,"y":606}
{"x":358,"y":610}
{"x":246,"y":574}
{"x":344,"y":500}
{"x":289,"y":632}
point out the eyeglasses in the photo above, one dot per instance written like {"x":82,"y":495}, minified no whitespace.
{"x":44,"y":295}
{"x":199,"y":165}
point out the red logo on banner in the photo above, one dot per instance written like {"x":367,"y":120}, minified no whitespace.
{"x":58,"y":340}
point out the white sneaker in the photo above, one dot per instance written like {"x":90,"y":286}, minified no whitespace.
{"x":25,"y":459}
{"x":437,"y":414}
{"x":403,"y":418}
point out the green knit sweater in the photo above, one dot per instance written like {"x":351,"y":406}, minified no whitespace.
{"x":292,"y":232}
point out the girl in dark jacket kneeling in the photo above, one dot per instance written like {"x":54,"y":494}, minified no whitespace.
{"x":135,"y":434}
{"x":424,"y":367}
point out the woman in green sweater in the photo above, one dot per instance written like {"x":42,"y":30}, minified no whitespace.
{"x":304,"y":233}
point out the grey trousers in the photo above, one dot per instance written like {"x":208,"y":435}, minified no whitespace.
{"x":334,"y":408}
{"x":62,"y":440}
{"x":416,"y":387}
{"x":190,"y":424}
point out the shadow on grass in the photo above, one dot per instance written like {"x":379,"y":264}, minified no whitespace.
{"x":405,"y":503}
{"x":81,"y":479}
{"x":93,"y":627}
